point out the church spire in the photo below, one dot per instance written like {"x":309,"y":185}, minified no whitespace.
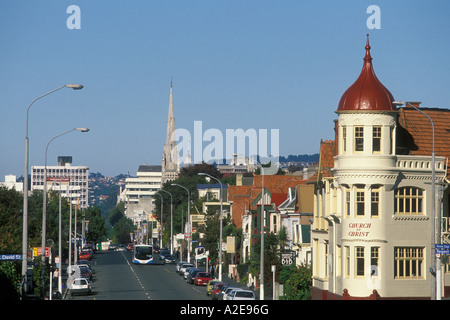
{"x":170,"y":164}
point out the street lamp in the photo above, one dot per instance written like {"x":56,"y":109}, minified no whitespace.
{"x":435,"y":259}
{"x":171,"y":219}
{"x":221,"y":221}
{"x":44,"y":204}
{"x":162,"y":204}
{"x":25,"y":187}
{"x":261,"y":268}
{"x":189,"y":229}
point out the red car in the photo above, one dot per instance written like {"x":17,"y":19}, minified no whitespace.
{"x":84,"y":255}
{"x":202,"y":278}
{"x":216,"y":289}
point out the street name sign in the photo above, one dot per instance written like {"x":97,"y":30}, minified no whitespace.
{"x":10,"y":257}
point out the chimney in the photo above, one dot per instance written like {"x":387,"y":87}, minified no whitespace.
{"x":239,"y":179}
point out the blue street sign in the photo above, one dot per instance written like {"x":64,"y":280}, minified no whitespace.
{"x":10,"y":257}
{"x":442,"y":248}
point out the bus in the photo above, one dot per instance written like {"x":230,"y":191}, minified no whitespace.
{"x":143,"y":254}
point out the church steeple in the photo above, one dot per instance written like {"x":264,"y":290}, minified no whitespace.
{"x":170,"y":164}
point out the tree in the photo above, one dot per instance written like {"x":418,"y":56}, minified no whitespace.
{"x":192,"y":171}
{"x":96,"y":231}
{"x":116,"y":213}
{"x":272,"y":256}
{"x":9,"y":280}
{"x":122,"y":226}
{"x":10,"y":220}
{"x":122,"y":230}
{"x":297,"y":282}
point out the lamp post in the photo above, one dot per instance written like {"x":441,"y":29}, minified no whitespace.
{"x":189,"y":229}
{"x":435,"y":259}
{"x":171,"y":219}
{"x":261,"y":268}
{"x":44,"y":203}
{"x":221,"y":221}
{"x":25,"y":187}
{"x":162,"y":204}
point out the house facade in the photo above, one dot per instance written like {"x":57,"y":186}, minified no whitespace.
{"x":373,"y":218}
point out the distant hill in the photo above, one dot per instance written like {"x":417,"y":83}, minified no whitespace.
{"x":300,"y":158}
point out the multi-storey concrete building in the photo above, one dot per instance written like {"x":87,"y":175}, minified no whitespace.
{"x":11,"y":183}
{"x":64,"y":178}
{"x":139,"y":192}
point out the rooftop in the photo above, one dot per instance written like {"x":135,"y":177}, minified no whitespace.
{"x":367,"y":93}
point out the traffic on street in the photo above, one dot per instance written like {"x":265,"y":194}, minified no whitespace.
{"x":114,"y":276}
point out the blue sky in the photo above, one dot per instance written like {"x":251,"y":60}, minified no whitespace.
{"x":234,"y":64}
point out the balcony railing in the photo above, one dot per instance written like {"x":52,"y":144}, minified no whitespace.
{"x":420,"y":163}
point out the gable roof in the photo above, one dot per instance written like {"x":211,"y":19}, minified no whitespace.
{"x":247,"y":197}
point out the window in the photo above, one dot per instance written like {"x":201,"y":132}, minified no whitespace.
{"x":274,"y":222}
{"x":376,"y":139}
{"x":359,"y":202}
{"x":359,"y":261}
{"x":347,"y":261}
{"x":374,"y":202}
{"x":344,"y":139}
{"x":408,"y":201}
{"x":359,"y":138}
{"x":408,"y":263}
{"x":374,"y":260}
{"x":339,"y":259}
{"x":347,"y":202}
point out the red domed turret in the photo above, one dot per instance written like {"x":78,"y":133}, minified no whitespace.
{"x":367,"y":93}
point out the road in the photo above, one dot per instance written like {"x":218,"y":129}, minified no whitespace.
{"x":116,"y":278}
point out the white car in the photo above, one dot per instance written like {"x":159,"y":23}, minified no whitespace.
{"x":184,"y":266}
{"x":228,"y":291}
{"x":242,"y":295}
{"x":80,"y":286}
{"x":179,"y":264}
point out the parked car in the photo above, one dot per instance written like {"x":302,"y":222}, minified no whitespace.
{"x":84,"y":262}
{"x":186,"y":271}
{"x":184,"y":266}
{"x":241,"y":295}
{"x":210,"y":286}
{"x":85,"y":255}
{"x":86,"y":266}
{"x":202,"y":278}
{"x":191,"y":275}
{"x":89,"y":246}
{"x":179,"y":264}
{"x":80,"y":286}
{"x":84,"y":272}
{"x":227,"y":291}
{"x":218,"y":287}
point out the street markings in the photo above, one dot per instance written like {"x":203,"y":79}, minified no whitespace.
{"x":136,"y":276}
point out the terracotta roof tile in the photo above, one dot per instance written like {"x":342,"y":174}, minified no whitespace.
{"x":278,"y":185}
{"x":419,"y":127}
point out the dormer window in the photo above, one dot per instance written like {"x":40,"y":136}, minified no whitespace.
{"x":359,"y":139}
